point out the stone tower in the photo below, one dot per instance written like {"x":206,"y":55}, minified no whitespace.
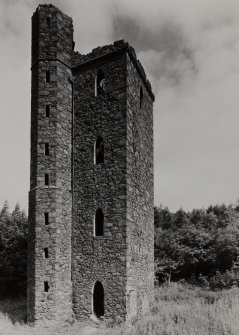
{"x":91,"y":196}
{"x":50,"y":196}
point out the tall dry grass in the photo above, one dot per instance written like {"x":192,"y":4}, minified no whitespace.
{"x":185,"y":310}
{"x":178,"y":310}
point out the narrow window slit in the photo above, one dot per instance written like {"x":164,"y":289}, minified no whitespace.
{"x":46,"y":253}
{"x":48,"y":22}
{"x":141,"y":98}
{"x":46,"y":286}
{"x":47,"y":111}
{"x":46,"y":149}
{"x":99,"y":151}
{"x":48,"y":77}
{"x":46,"y":179}
{"x":99,"y":222}
{"x":46,"y":218}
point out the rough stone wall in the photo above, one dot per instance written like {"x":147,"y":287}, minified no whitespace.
{"x":122,"y":186}
{"x":118,"y":46}
{"x":140,"y":225}
{"x":51,"y":51}
{"x":97,"y":258}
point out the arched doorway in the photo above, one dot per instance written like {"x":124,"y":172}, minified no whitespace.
{"x":98,"y":300}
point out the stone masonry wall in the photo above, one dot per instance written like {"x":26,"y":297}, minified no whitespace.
{"x":100,"y":258}
{"x":51,"y":51}
{"x":140,"y":225}
{"x":121,"y":186}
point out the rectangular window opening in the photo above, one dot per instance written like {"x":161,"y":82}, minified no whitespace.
{"x":46,"y":179}
{"x":46,"y":286}
{"x":46,"y":149}
{"x":48,"y":21}
{"x":46,"y":253}
{"x":47,"y":111}
{"x":46,"y":218}
{"x":48,"y":77}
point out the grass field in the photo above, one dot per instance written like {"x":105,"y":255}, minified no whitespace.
{"x":178,"y":310}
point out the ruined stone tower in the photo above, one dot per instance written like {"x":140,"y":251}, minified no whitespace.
{"x":91,"y":191}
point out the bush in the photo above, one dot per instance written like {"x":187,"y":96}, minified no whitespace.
{"x":222,"y":281}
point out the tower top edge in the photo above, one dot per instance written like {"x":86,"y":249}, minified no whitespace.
{"x":79,"y":60}
{"x":49,"y":8}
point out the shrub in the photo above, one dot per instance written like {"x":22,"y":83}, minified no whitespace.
{"x":224,"y":280}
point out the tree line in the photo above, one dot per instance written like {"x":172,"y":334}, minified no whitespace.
{"x":200,"y":247}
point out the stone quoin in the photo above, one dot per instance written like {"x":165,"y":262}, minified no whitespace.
{"x":91,"y":229}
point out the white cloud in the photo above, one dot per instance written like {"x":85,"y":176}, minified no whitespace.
{"x":190,"y":51}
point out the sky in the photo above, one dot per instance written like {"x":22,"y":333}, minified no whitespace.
{"x":190,"y":51}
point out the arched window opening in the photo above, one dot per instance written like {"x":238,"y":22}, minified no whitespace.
{"x":141,"y":98}
{"x":99,"y":222}
{"x":100,"y":83}
{"x":98,"y":300}
{"x":99,"y":151}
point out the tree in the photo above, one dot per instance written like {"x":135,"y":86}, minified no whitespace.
{"x":13,"y":251}
{"x":227,"y":247}
{"x":200,"y":242}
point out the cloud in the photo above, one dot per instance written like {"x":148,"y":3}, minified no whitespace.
{"x":190,"y":50}
{"x":166,"y":53}
{"x":197,"y":125}
{"x":92,"y":22}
